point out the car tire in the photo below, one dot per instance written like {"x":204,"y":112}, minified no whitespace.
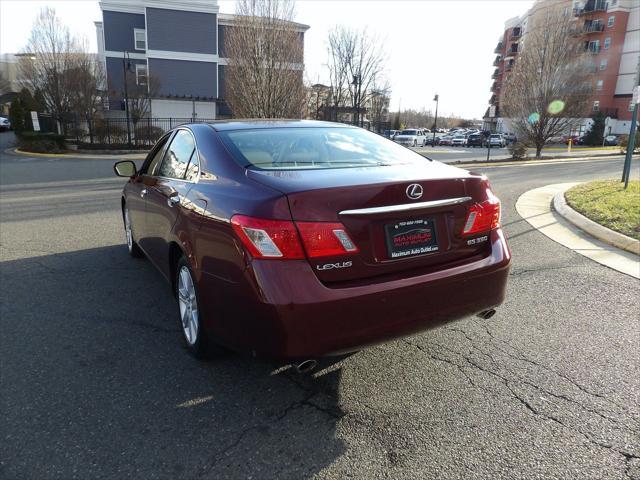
{"x":189,"y":319}
{"x":132,"y":246}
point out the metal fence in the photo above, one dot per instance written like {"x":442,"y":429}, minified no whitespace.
{"x":117,"y":132}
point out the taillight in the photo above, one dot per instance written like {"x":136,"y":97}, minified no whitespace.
{"x":285,"y":239}
{"x":483,"y":217}
{"x":268,"y":238}
{"x":321,"y":239}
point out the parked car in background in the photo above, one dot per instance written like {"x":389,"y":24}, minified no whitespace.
{"x":510,"y":137}
{"x":5,"y":124}
{"x":390,"y":133}
{"x":497,"y":140}
{"x":475,"y":140}
{"x":298,"y":239}
{"x":411,"y":137}
{"x":458,"y":141}
{"x":574,"y":139}
{"x":445,"y":140}
{"x":611,"y":140}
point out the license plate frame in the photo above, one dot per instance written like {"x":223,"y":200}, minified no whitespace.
{"x":410,"y":238}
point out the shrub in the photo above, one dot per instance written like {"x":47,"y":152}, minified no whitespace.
{"x":518,"y":150}
{"x":106,"y":132}
{"x":147,"y":134}
{"x":40,"y":142}
{"x":624,"y":141}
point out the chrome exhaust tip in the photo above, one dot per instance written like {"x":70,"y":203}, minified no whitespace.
{"x":307,"y":366}
{"x":487,"y":314}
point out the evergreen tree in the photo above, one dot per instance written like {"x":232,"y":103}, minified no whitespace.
{"x":595,"y":134}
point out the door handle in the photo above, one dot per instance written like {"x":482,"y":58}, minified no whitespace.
{"x":143,"y":192}
{"x":173,"y":200}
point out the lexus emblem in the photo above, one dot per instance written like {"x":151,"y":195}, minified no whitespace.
{"x":414,"y":191}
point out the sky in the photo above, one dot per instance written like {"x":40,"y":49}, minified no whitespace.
{"x":432,"y":46}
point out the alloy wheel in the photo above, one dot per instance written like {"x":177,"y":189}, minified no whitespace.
{"x":188,"y":305}
{"x":127,"y":230}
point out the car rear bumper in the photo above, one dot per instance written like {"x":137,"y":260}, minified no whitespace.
{"x":282,"y":310}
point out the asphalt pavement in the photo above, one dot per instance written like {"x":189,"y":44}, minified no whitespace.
{"x":95,"y":384}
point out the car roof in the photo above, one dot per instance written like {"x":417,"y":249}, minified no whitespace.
{"x":250,"y":124}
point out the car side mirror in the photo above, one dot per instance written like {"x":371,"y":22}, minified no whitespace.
{"x":125,"y":168}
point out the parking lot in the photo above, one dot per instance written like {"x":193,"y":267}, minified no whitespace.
{"x":95,"y":383}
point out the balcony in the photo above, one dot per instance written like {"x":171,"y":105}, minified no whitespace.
{"x":591,"y":6}
{"x":593,"y":28}
{"x":495,"y":88}
{"x":497,"y":61}
{"x":513,"y":49}
{"x":498,"y":48}
{"x":516,"y":33}
{"x":509,"y":66}
{"x":593,"y":49}
{"x":496,"y":73}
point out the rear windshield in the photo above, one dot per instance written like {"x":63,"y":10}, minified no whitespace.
{"x":308,"y":148}
{"x":408,"y":132}
{"x":495,"y":136}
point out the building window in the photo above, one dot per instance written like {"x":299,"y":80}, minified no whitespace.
{"x":603,"y":64}
{"x":141,"y":74}
{"x":140,"y":39}
{"x":599,"y":84}
{"x":611,"y":21}
{"x":607,"y":42}
{"x":596,"y":106}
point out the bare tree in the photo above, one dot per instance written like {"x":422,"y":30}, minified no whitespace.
{"x":48,"y":63}
{"x":140,"y":93}
{"x":356,"y":61}
{"x":265,"y":70}
{"x":339,"y":60}
{"x":548,"y":90}
{"x":86,"y":79}
{"x":379,"y":103}
{"x":5,"y":85}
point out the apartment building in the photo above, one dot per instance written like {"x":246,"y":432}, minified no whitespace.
{"x":610,"y":32}
{"x":178,"y":46}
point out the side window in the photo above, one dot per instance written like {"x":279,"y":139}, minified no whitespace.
{"x":152,"y":166}
{"x":178,"y":156}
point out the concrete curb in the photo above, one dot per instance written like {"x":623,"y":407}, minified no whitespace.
{"x":592,"y":228}
{"x":98,"y":156}
{"x":535,"y":207}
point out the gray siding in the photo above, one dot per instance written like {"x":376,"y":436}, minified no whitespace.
{"x":118,"y":30}
{"x":115,"y":80}
{"x":182,"y":77}
{"x":176,"y":31}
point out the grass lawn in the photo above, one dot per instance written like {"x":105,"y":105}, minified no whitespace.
{"x":607,"y":203}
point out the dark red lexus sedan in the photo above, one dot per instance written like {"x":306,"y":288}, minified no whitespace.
{"x":297,"y":239}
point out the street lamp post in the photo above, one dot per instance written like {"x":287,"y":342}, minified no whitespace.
{"x":435,"y":121}
{"x":126,"y":63}
{"x":357,"y":85}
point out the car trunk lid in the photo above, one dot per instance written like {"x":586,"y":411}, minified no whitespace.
{"x":395,"y":229}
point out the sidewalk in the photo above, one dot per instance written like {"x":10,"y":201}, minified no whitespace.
{"x":535,"y":207}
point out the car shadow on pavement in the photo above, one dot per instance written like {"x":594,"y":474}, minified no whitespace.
{"x":96,"y":382}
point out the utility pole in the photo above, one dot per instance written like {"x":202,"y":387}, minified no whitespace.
{"x":125,"y":67}
{"x":435,"y":121}
{"x":631,"y":144}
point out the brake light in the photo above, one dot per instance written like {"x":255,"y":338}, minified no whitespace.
{"x":285,"y":239}
{"x":268,"y":238}
{"x":321,"y":239}
{"x":483,"y":217}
